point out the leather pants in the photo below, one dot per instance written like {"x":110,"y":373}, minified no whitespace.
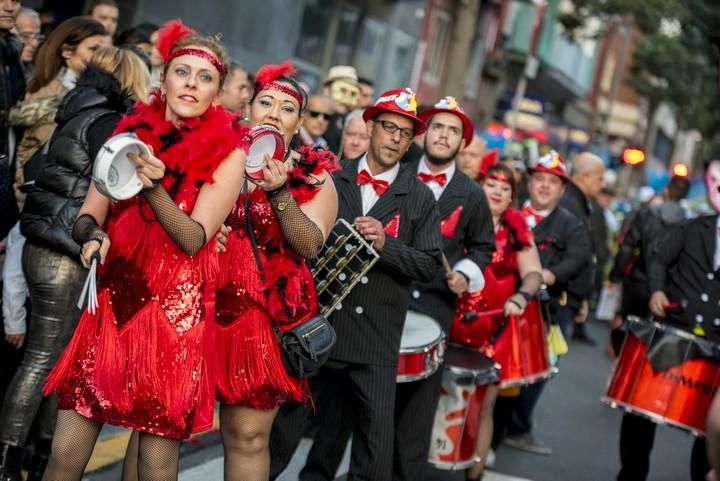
{"x":54,"y":281}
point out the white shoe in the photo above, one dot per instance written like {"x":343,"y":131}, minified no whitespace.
{"x":490,"y":461}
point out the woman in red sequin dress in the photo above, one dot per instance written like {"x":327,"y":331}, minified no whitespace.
{"x":292,"y":211}
{"x":515,"y":262}
{"x":143,"y":360}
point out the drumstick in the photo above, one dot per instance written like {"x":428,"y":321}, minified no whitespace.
{"x":446,"y":264}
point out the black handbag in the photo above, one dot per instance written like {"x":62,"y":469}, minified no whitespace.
{"x":306,"y":347}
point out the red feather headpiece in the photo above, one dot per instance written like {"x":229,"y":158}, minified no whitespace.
{"x":174,"y":31}
{"x":170,"y":34}
{"x":488,"y":160}
{"x":267,"y":76}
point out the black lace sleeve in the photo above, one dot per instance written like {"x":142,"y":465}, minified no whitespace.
{"x":188,"y":234}
{"x":301,"y":233}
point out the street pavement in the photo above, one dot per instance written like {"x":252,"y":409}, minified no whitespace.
{"x":582,"y":431}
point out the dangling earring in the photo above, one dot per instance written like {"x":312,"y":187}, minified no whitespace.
{"x":162,"y":96}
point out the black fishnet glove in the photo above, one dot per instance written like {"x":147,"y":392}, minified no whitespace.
{"x":86,"y":229}
{"x":530,"y":286}
{"x":301,"y":233}
{"x":186,"y":233}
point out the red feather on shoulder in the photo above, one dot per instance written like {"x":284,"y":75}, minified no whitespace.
{"x":303,"y":178}
{"x":519,"y":228}
{"x":271,"y":72}
{"x":170,"y":34}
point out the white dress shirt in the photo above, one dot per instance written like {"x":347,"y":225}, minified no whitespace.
{"x":369,"y":196}
{"x":476,"y":280}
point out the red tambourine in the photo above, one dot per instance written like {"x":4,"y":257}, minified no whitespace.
{"x":262,"y":140}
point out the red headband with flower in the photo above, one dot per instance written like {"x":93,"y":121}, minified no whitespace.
{"x":174,"y":31}
{"x":267,"y":79}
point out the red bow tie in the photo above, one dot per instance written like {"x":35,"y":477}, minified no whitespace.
{"x":528,"y":213}
{"x":439,"y":178}
{"x":379,"y":186}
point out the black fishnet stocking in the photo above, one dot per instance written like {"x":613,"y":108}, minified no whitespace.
{"x":246,"y":436}
{"x":130,"y":463}
{"x":188,"y":234}
{"x":72,"y":446}
{"x":157,"y":458}
{"x":301,"y":233}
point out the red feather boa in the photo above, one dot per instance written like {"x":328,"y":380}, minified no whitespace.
{"x":302,"y":179}
{"x":515,"y":222}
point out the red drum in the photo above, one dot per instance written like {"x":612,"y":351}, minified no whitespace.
{"x":263,"y":139}
{"x":421,"y":348}
{"x":457,"y":420}
{"x":665,"y":374}
{"x":518,"y":344}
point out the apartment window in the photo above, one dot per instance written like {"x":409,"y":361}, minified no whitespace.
{"x":438,"y":47}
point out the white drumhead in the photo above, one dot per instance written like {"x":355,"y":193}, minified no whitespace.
{"x":265,"y":144}
{"x":419,"y":330}
{"x":114,"y":173}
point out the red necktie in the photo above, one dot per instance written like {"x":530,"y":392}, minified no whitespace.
{"x":379,"y":186}
{"x":439,"y":178}
{"x":528,"y":212}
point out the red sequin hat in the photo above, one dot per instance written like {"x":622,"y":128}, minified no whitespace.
{"x":551,"y":163}
{"x":450,"y":105}
{"x":400,"y":102}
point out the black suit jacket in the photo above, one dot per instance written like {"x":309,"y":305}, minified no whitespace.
{"x":564,"y":246}
{"x":370,"y":322}
{"x":683,"y":268}
{"x":474,"y":239}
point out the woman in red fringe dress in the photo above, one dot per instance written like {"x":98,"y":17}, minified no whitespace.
{"x":511,"y":279}
{"x":143,"y":360}
{"x":292,"y":211}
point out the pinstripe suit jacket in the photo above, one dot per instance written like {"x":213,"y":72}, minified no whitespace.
{"x":370,"y":322}
{"x":473,"y":238}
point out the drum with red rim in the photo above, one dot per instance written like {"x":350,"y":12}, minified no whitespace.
{"x":262,"y":140}
{"x":421,"y":348}
{"x":456,"y":426}
{"x":666,"y":375}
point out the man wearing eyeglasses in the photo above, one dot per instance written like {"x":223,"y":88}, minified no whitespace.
{"x":392,"y":209}
{"x":468,"y":241}
{"x":317,"y":119}
{"x":29,"y":27}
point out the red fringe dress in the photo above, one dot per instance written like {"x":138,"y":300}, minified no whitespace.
{"x":250,"y":369}
{"x":142,"y":361}
{"x":501,"y":280}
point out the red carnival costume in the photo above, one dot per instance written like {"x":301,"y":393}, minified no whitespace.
{"x":501,"y":281}
{"x":251,"y":372}
{"x":142,"y":360}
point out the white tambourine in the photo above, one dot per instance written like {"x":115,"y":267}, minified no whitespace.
{"x":114,"y":174}
{"x":262,"y":140}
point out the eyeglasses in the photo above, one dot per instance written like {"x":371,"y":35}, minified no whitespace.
{"x":391,"y":128}
{"x":313,"y":114}
{"x":28,"y":36}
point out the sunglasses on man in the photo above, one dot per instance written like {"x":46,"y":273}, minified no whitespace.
{"x":314,"y":114}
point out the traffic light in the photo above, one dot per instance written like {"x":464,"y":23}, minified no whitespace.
{"x":633,"y":156}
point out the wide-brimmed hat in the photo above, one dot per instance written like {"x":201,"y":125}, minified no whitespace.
{"x":344,"y":72}
{"x":452,"y":106}
{"x":551,"y":163}
{"x":400,"y":102}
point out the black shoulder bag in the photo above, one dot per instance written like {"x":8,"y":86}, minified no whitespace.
{"x":306,"y":347}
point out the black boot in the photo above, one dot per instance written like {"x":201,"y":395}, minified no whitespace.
{"x":11,"y":458}
{"x":40,"y":459}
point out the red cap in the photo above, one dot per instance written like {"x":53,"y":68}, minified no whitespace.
{"x":400,"y":102}
{"x":551,"y":163}
{"x":450,"y":105}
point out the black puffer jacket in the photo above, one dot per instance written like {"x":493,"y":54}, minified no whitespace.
{"x":86,"y":118}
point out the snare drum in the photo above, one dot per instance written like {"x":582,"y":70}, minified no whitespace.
{"x":114,"y":174}
{"x":421,"y":348}
{"x":456,"y":427}
{"x":262,"y":140}
{"x":666,"y":375}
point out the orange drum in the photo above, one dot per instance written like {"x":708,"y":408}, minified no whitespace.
{"x":666,"y":375}
{"x":457,"y":419}
{"x":518,"y":344}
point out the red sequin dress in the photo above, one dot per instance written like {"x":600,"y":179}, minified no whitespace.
{"x":142,"y":361}
{"x":250,"y":369}
{"x":501,"y":281}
